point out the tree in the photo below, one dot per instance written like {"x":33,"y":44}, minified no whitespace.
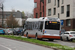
{"x":29,"y":15}
{"x":23,"y":15}
{"x":11,"y":22}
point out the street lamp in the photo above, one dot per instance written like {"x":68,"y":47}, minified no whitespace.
{"x":2,"y":14}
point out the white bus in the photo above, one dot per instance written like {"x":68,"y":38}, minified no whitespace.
{"x":44,"y":27}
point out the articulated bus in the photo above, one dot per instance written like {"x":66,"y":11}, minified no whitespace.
{"x":44,"y":27}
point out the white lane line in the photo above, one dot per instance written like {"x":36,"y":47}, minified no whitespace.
{"x":72,"y":46}
{"x":5,"y":47}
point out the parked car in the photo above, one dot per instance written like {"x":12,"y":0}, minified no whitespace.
{"x":68,"y":35}
{"x":2,"y":31}
{"x":22,"y":33}
{"x":9,"y":31}
{"x":17,"y":31}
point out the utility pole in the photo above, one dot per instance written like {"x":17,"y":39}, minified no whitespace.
{"x":2,"y":15}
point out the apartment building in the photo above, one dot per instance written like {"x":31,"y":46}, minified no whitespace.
{"x":39,"y":8}
{"x":63,"y":9}
{"x":17,"y":15}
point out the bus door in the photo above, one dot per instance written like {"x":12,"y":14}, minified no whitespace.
{"x":40,"y":28}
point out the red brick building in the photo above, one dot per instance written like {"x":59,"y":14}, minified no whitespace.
{"x":39,"y":8}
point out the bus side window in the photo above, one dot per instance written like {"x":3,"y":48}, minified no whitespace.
{"x":27,"y":26}
{"x":41,"y":26}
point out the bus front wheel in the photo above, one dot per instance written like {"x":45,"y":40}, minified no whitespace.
{"x":27,"y":35}
{"x":38,"y":38}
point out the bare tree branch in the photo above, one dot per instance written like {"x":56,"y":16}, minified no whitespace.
{"x":11,"y":21}
{"x":29,"y":15}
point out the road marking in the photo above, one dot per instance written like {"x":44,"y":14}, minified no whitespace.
{"x":5,"y":47}
{"x":72,"y":46}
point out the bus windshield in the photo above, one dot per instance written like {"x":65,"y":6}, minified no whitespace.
{"x":52,"y":25}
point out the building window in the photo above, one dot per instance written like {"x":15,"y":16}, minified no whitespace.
{"x":0,"y":16}
{"x":58,"y":2}
{"x":40,"y":14}
{"x":55,"y":3}
{"x":49,"y":12}
{"x":68,"y":10}
{"x":62,"y":9}
{"x":5,"y":16}
{"x":54,"y":11}
{"x":35,"y":5}
{"x":68,"y":22}
{"x":58,"y":15}
{"x":62,"y":1}
{"x":14,"y":16}
{"x":36,"y":15}
{"x":49,"y":1}
{"x":43,"y":8}
{"x":8,"y":15}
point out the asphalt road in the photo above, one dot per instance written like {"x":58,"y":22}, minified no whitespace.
{"x":66,"y":43}
{"x":8,"y":44}
{"x":3,"y":47}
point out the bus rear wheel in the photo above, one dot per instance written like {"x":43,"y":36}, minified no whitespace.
{"x":61,"y":39}
{"x":39,"y":38}
{"x":36,"y":37}
{"x":51,"y":39}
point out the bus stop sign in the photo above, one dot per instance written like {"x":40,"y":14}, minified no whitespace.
{"x":62,"y":22}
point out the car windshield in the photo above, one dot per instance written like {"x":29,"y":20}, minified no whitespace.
{"x":10,"y":29}
{"x":72,"y":32}
{"x":17,"y":29}
{"x":21,"y":28}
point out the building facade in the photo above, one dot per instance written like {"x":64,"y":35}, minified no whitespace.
{"x":39,"y":8}
{"x":17,"y":15}
{"x":63,"y":9}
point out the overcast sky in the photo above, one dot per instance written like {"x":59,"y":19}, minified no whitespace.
{"x":22,"y":5}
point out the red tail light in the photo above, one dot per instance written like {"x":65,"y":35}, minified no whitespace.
{"x":60,"y":31}
{"x":70,"y":35}
{"x":18,"y":30}
{"x":43,"y":31}
{"x":8,"y":30}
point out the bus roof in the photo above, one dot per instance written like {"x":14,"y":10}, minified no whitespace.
{"x":43,"y":19}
